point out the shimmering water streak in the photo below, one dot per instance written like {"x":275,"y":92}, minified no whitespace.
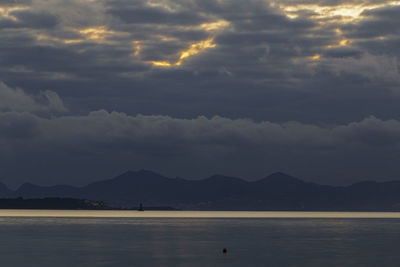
{"x":194,"y":214}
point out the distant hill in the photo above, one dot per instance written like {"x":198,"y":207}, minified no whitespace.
{"x":277,"y":191}
{"x":4,"y":191}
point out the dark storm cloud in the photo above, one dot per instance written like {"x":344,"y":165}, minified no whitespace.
{"x":179,"y":146}
{"x":314,"y":95}
{"x":342,"y":52}
{"x":7,"y":23}
{"x":16,"y":126}
{"x":147,"y":15}
{"x":34,"y":20}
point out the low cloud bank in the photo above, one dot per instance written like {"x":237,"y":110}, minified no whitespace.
{"x":80,"y":148}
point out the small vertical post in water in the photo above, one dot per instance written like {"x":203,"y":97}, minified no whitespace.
{"x":140,"y":207}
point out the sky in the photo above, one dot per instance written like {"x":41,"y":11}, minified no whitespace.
{"x":92,"y":88}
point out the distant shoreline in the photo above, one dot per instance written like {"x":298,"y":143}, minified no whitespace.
{"x":178,"y":214}
{"x":56,"y":203}
{"x":276,"y":192}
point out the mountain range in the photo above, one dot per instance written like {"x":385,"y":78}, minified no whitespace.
{"x":277,"y":191}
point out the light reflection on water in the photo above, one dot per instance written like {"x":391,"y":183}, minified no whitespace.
{"x":193,"y":214}
{"x":177,"y":238}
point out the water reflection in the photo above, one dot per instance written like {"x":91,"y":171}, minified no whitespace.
{"x":192,"y":214}
{"x":109,"y":239}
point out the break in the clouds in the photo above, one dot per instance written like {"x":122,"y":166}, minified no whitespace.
{"x":239,"y":88}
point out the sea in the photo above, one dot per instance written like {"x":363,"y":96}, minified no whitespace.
{"x":49,"y":238}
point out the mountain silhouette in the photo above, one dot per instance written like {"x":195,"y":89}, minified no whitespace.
{"x":4,"y":191}
{"x":278,"y":191}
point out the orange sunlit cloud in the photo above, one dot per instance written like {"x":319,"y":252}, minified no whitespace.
{"x":343,"y":13}
{"x":215,"y":25}
{"x":98,"y":33}
{"x":6,"y":11}
{"x":315,"y":57}
{"x":167,"y":38}
{"x":44,"y":37}
{"x":342,"y":42}
{"x":194,"y":49}
{"x":338,"y":31}
{"x":137,"y":47}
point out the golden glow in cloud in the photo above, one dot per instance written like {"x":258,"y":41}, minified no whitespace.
{"x":346,"y":12}
{"x":98,"y":33}
{"x":338,"y":31}
{"x":163,"y":64}
{"x":44,"y":37}
{"x":162,"y":4}
{"x":5,"y":11}
{"x":315,"y":57}
{"x":167,"y":38}
{"x":342,"y":42}
{"x":214,"y":26}
{"x":137,"y":48}
{"x":194,"y":49}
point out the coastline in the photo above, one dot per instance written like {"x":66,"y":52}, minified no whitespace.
{"x":197,"y":214}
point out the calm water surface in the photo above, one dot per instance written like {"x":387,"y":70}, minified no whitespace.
{"x":131,"y":238}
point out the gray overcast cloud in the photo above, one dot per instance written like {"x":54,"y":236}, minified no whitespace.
{"x":92,"y":88}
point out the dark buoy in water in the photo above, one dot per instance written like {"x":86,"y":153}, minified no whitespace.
{"x":140,"y":207}
{"x":224,"y":251}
